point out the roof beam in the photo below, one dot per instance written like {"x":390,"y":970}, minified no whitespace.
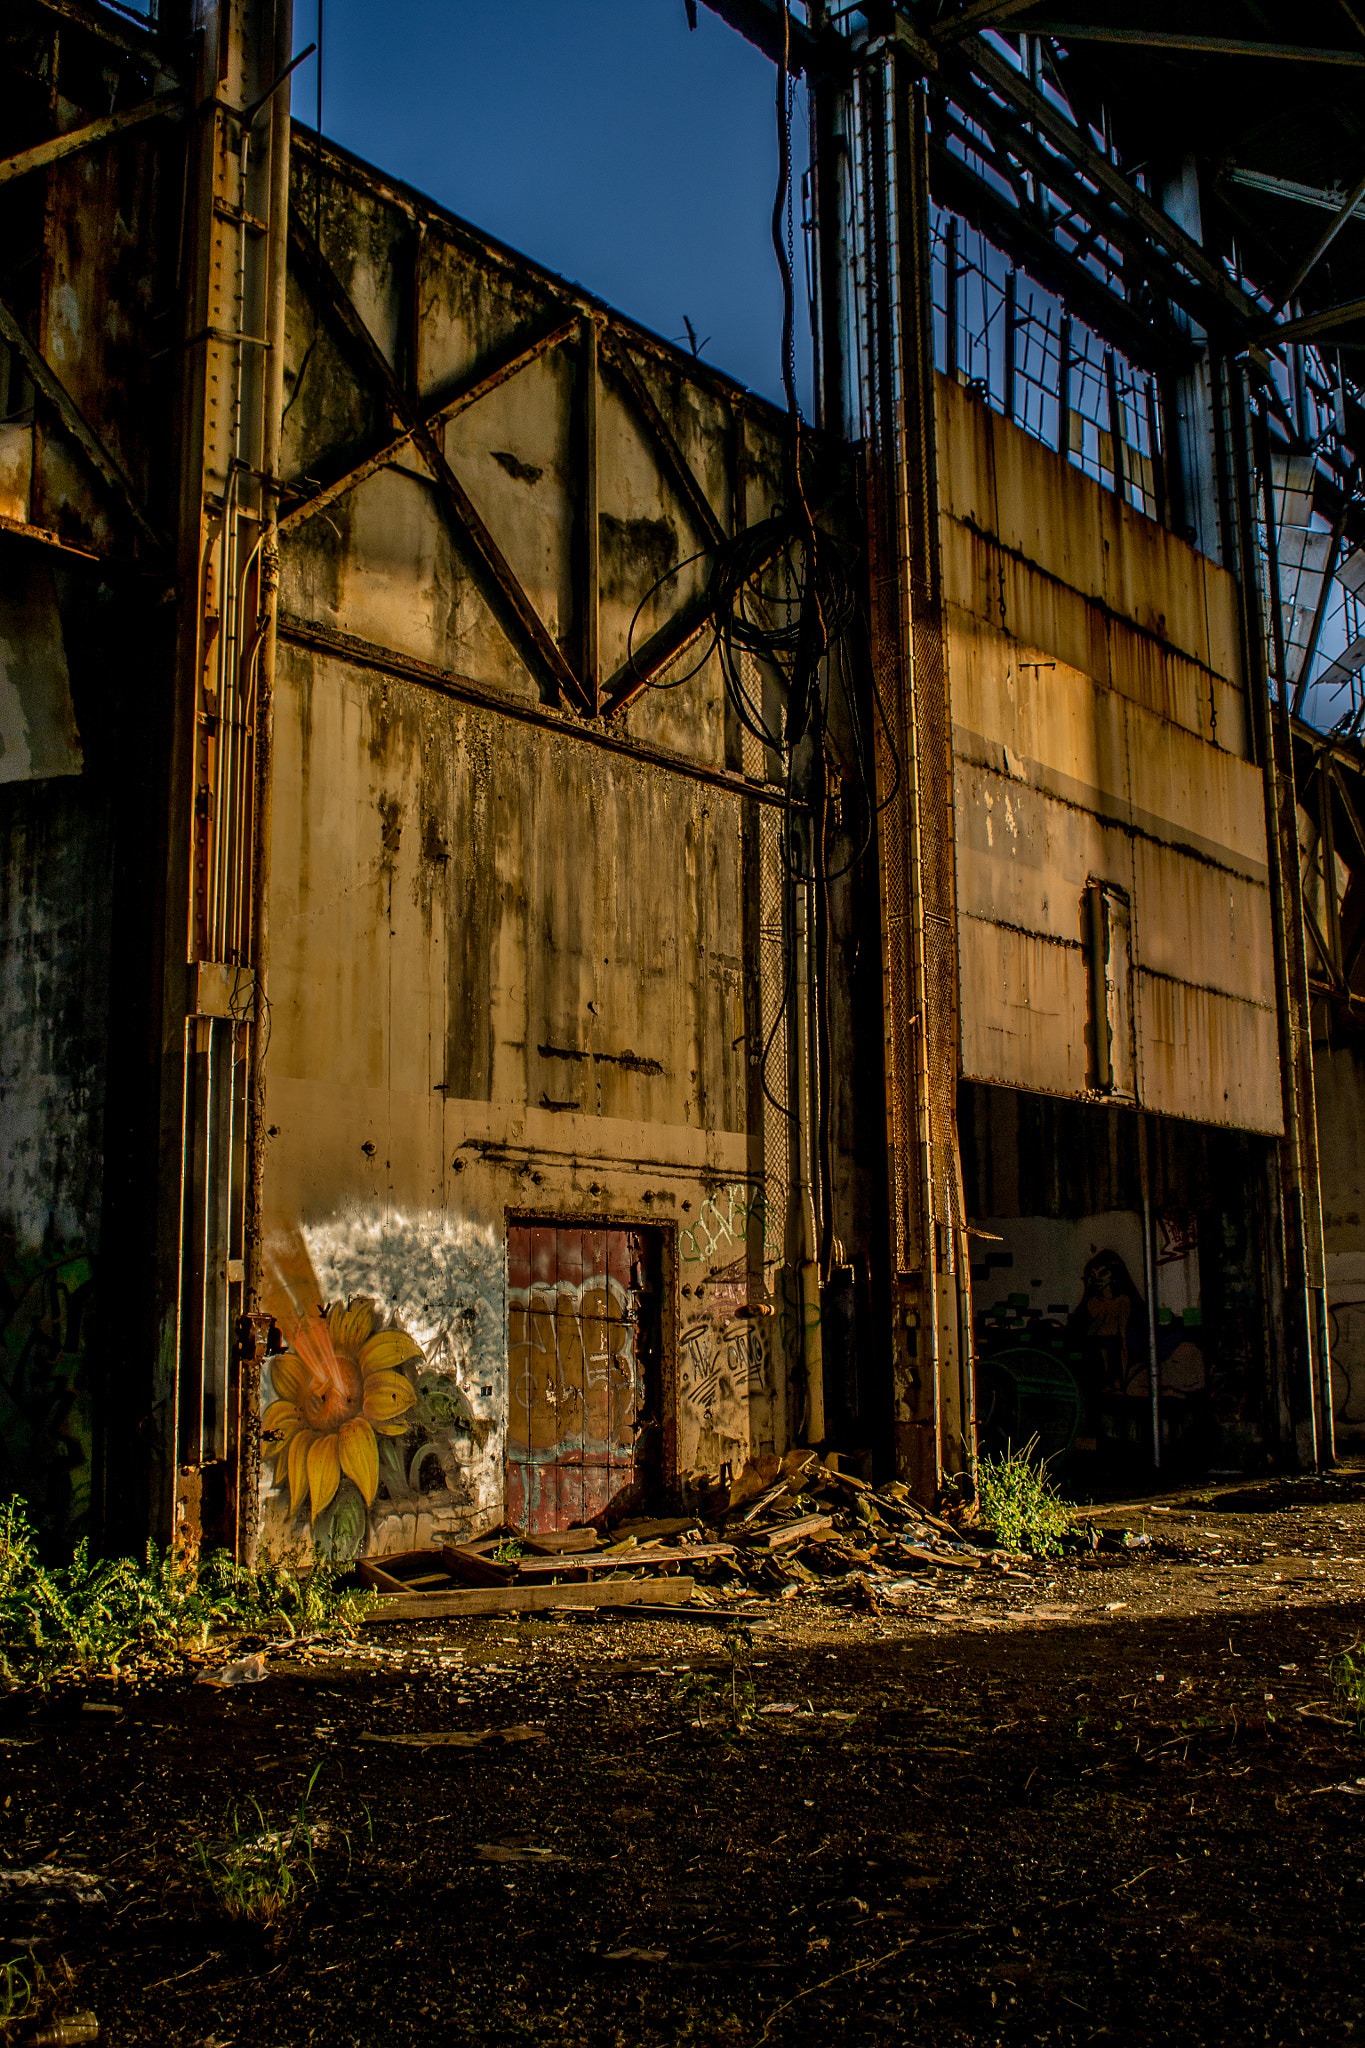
{"x":1210,"y":46}
{"x":1145,"y":220}
{"x":1315,"y":323}
{"x":1025,"y":238}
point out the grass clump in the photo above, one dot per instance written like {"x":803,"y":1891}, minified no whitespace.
{"x":258,"y":1873}
{"x":1348,"y":1683}
{"x":1018,"y":1500}
{"x":112,"y":1616}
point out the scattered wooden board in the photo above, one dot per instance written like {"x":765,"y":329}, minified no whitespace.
{"x":550,"y":1542}
{"x":788,"y":1532}
{"x":619,"y":1560}
{"x":404,"y":1606}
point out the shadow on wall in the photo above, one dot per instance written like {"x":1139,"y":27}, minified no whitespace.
{"x":381,"y":1421}
{"x":46,"y":1400}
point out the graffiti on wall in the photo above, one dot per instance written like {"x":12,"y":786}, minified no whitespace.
{"x":583,"y":1322}
{"x":379,"y":1418}
{"x":46,"y":1401}
{"x":722,"y":1223}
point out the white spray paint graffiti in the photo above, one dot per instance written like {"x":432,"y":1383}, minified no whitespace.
{"x":417,"y":1304}
{"x":722,"y":1222}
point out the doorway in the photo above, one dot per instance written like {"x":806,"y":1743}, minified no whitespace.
{"x":584,"y":1430}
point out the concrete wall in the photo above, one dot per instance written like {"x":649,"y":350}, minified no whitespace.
{"x":1099,"y":733}
{"x":517,"y":956}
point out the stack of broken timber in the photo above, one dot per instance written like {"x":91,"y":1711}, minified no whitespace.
{"x":783,"y":1526}
{"x":800,"y":1524}
{"x":511,"y":1573}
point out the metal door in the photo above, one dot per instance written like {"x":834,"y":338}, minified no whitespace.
{"x":583,"y":1313}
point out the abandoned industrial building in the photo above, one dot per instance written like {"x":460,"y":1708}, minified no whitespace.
{"x":566,"y":930}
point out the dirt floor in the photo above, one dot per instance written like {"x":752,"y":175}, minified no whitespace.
{"x":1106,"y":1799}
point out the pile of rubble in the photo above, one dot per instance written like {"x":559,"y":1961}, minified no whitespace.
{"x":783,"y":1527}
{"x":799,"y":1525}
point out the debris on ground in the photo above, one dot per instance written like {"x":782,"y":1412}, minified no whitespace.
{"x":782,"y":1528}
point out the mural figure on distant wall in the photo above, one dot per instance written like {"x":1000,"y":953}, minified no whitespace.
{"x":1109,"y":1328}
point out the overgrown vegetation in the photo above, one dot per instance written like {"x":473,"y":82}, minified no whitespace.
{"x":114,"y":1615}
{"x":1348,"y":1683}
{"x":1018,"y":1500}
{"x":259,"y":1872}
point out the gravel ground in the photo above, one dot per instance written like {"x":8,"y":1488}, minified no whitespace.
{"x":1111,"y":1798}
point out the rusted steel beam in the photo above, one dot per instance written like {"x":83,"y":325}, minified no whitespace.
{"x":1207,"y":46}
{"x":1352,"y":815}
{"x":678,"y":467}
{"x":1313,"y":323}
{"x":1142,"y":218}
{"x":44,"y":153}
{"x":106,"y":465}
{"x":1328,"y":840}
{"x":518,"y":616}
{"x":387,"y":661}
{"x":1315,"y":932}
{"x":592,"y":526}
{"x":985,"y":14}
{"x":637,"y":672}
{"x":468,"y":392}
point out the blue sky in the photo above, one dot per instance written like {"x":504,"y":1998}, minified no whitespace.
{"x":600,"y":137}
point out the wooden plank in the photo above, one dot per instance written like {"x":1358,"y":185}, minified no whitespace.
{"x":789,"y":1532}
{"x":619,"y":1560}
{"x":473,"y":1568}
{"x":663,"y":1593}
{"x":554,"y":1542}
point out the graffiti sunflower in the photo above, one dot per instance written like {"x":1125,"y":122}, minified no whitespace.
{"x":337,"y":1392}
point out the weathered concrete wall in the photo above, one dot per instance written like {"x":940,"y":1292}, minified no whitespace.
{"x":56,"y":913}
{"x":1100,"y":735}
{"x":516,"y":955}
{"x":1339,"y":1077}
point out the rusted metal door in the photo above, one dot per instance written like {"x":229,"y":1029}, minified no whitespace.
{"x":582,"y":1346}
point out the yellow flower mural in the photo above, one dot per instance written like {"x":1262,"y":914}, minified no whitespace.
{"x":337,"y":1392}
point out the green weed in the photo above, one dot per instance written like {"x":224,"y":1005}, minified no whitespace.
{"x":1018,"y":1500}
{"x":1348,"y":1683}
{"x":731,"y":1692}
{"x":260,"y":1872}
{"x":114,"y":1615}
{"x":18,"y":1993}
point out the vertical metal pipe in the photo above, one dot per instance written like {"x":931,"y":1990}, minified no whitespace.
{"x":1300,"y":1318}
{"x":277,"y":247}
{"x":1011,"y":338}
{"x":1158,"y":459}
{"x":1310,"y":1191}
{"x":1111,"y":378}
{"x":950,"y":299}
{"x":1149,"y":1270}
